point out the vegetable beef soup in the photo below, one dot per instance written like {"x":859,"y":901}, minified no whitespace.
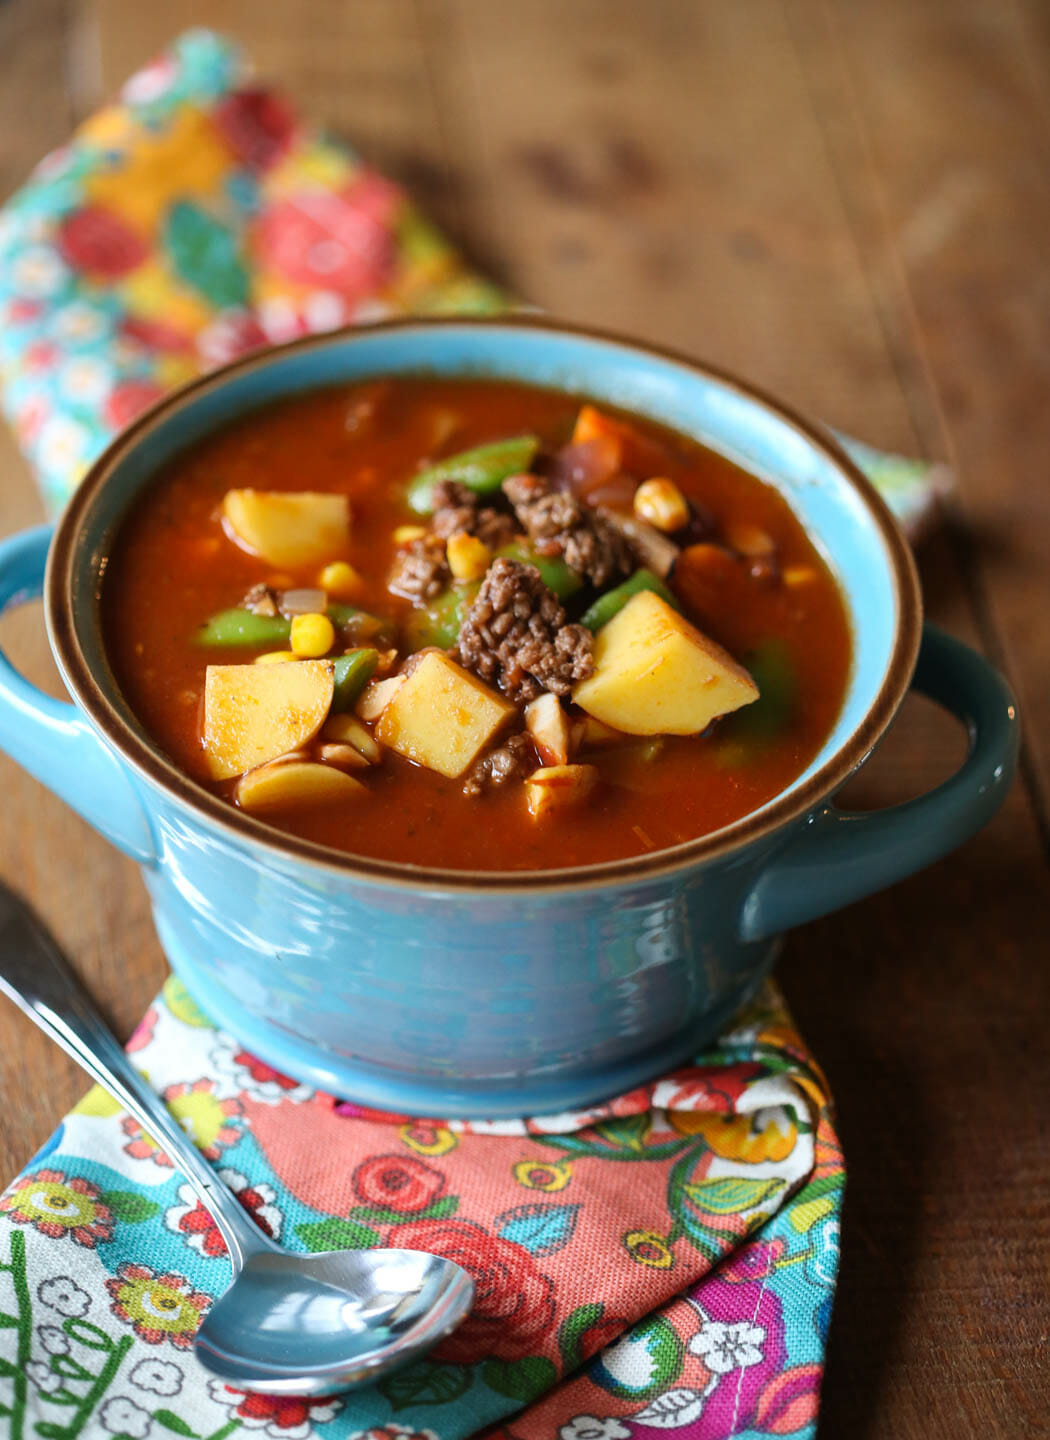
{"x":474,"y":625}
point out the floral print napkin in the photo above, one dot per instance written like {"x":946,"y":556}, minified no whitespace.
{"x":665,"y":1262}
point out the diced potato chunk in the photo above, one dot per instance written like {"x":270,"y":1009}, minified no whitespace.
{"x":288,"y":528}
{"x":253,"y":713}
{"x":556,"y":787}
{"x":548,"y":725}
{"x":295,"y":784}
{"x":442,"y":716}
{"x":348,"y":730}
{"x":595,"y":734}
{"x":655,"y":674}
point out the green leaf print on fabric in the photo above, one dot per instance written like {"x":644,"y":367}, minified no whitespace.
{"x":520,"y":1379}
{"x":130,"y":1206}
{"x":174,"y":1423}
{"x":731,"y":1195}
{"x":205,"y":254}
{"x":377,"y":1215}
{"x":336,"y":1234}
{"x":425,"y":1384}
{"x":572,"y":1330}
{"x":627,"y":1132}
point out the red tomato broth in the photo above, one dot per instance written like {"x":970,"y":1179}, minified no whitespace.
{"x":173,"y":567}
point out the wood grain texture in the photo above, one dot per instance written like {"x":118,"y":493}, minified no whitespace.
{"x":849,"y":203}
{"x":89,"y":895}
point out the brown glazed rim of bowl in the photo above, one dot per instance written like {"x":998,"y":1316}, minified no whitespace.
{"x":155,"y":767}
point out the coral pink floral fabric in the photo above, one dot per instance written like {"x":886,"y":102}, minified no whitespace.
{"x":665,"y":1262}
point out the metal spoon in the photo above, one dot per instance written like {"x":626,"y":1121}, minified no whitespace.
{"x":288,"y":1324}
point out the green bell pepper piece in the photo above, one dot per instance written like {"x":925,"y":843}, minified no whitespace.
{"x":482,"y":470}
{"x":358,"y":625}
{"x":244,"y":627}
{"x":352,"y":673}
{"x":613,"y":601}
{"x":554,"y":572}
{"x":439,"y":622}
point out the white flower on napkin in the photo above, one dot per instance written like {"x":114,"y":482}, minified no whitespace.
{"x":589,"y":1427}
{"x":62,"y":1293}
{"x":85,"y":379}
{"x":37,"y":272}
{"x":43,"y":1377}
{"x":54,"y":1340}
{"x":121,"y":1416}
{"x":728,"y":1347}
{"x":160,"y":1377}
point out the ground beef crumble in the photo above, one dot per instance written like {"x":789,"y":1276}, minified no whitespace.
{"x":261,"y":600}
{"x":512,"y":760}
{"x":420,"y":570}
{"x":559,"y":524}
{"x":515,"y":636}
{"x":457,"y":512}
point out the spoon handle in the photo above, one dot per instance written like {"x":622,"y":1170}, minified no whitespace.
{"x":34,"y":974}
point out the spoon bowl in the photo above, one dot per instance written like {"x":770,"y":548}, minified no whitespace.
{"x":315,"y":1324}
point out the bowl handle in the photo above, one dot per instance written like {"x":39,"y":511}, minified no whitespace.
{"x":50,"y":738}
{"x":843,"y":855}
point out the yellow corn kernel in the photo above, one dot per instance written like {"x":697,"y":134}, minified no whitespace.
{"x":275,"y":657}
{"x":340,"y":579}
{"x":660,"y":502}
{"x":405,"y":534}
{"x":312,"y":636}
{"x":468,"y":557}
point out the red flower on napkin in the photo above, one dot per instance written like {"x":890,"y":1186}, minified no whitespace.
{"x":397,"y":1182}
{"x":513,"y":1300}
{"x":333,"y":240}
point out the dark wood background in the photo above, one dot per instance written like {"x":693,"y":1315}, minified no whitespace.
{"x":849,"y":202}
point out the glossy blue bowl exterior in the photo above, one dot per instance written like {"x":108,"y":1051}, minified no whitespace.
{"x":447,"y":994}
{"x":431,"y":1002}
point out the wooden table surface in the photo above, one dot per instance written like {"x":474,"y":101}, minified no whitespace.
{"x":849,"y":202}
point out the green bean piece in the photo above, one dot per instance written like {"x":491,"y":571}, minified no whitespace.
{"x":482,"y":470}
{"x":554,"y":572}
{"x":244,"y":628}
{"x":440,"y":620}
{"x":352,"y":673}
{"x":613,"y":601}
{"x":773,"y":670}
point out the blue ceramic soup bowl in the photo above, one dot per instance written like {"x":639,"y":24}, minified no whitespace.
{"x":451,"y":993}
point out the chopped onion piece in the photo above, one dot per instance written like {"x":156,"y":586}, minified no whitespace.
{"x":303,"y":602}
